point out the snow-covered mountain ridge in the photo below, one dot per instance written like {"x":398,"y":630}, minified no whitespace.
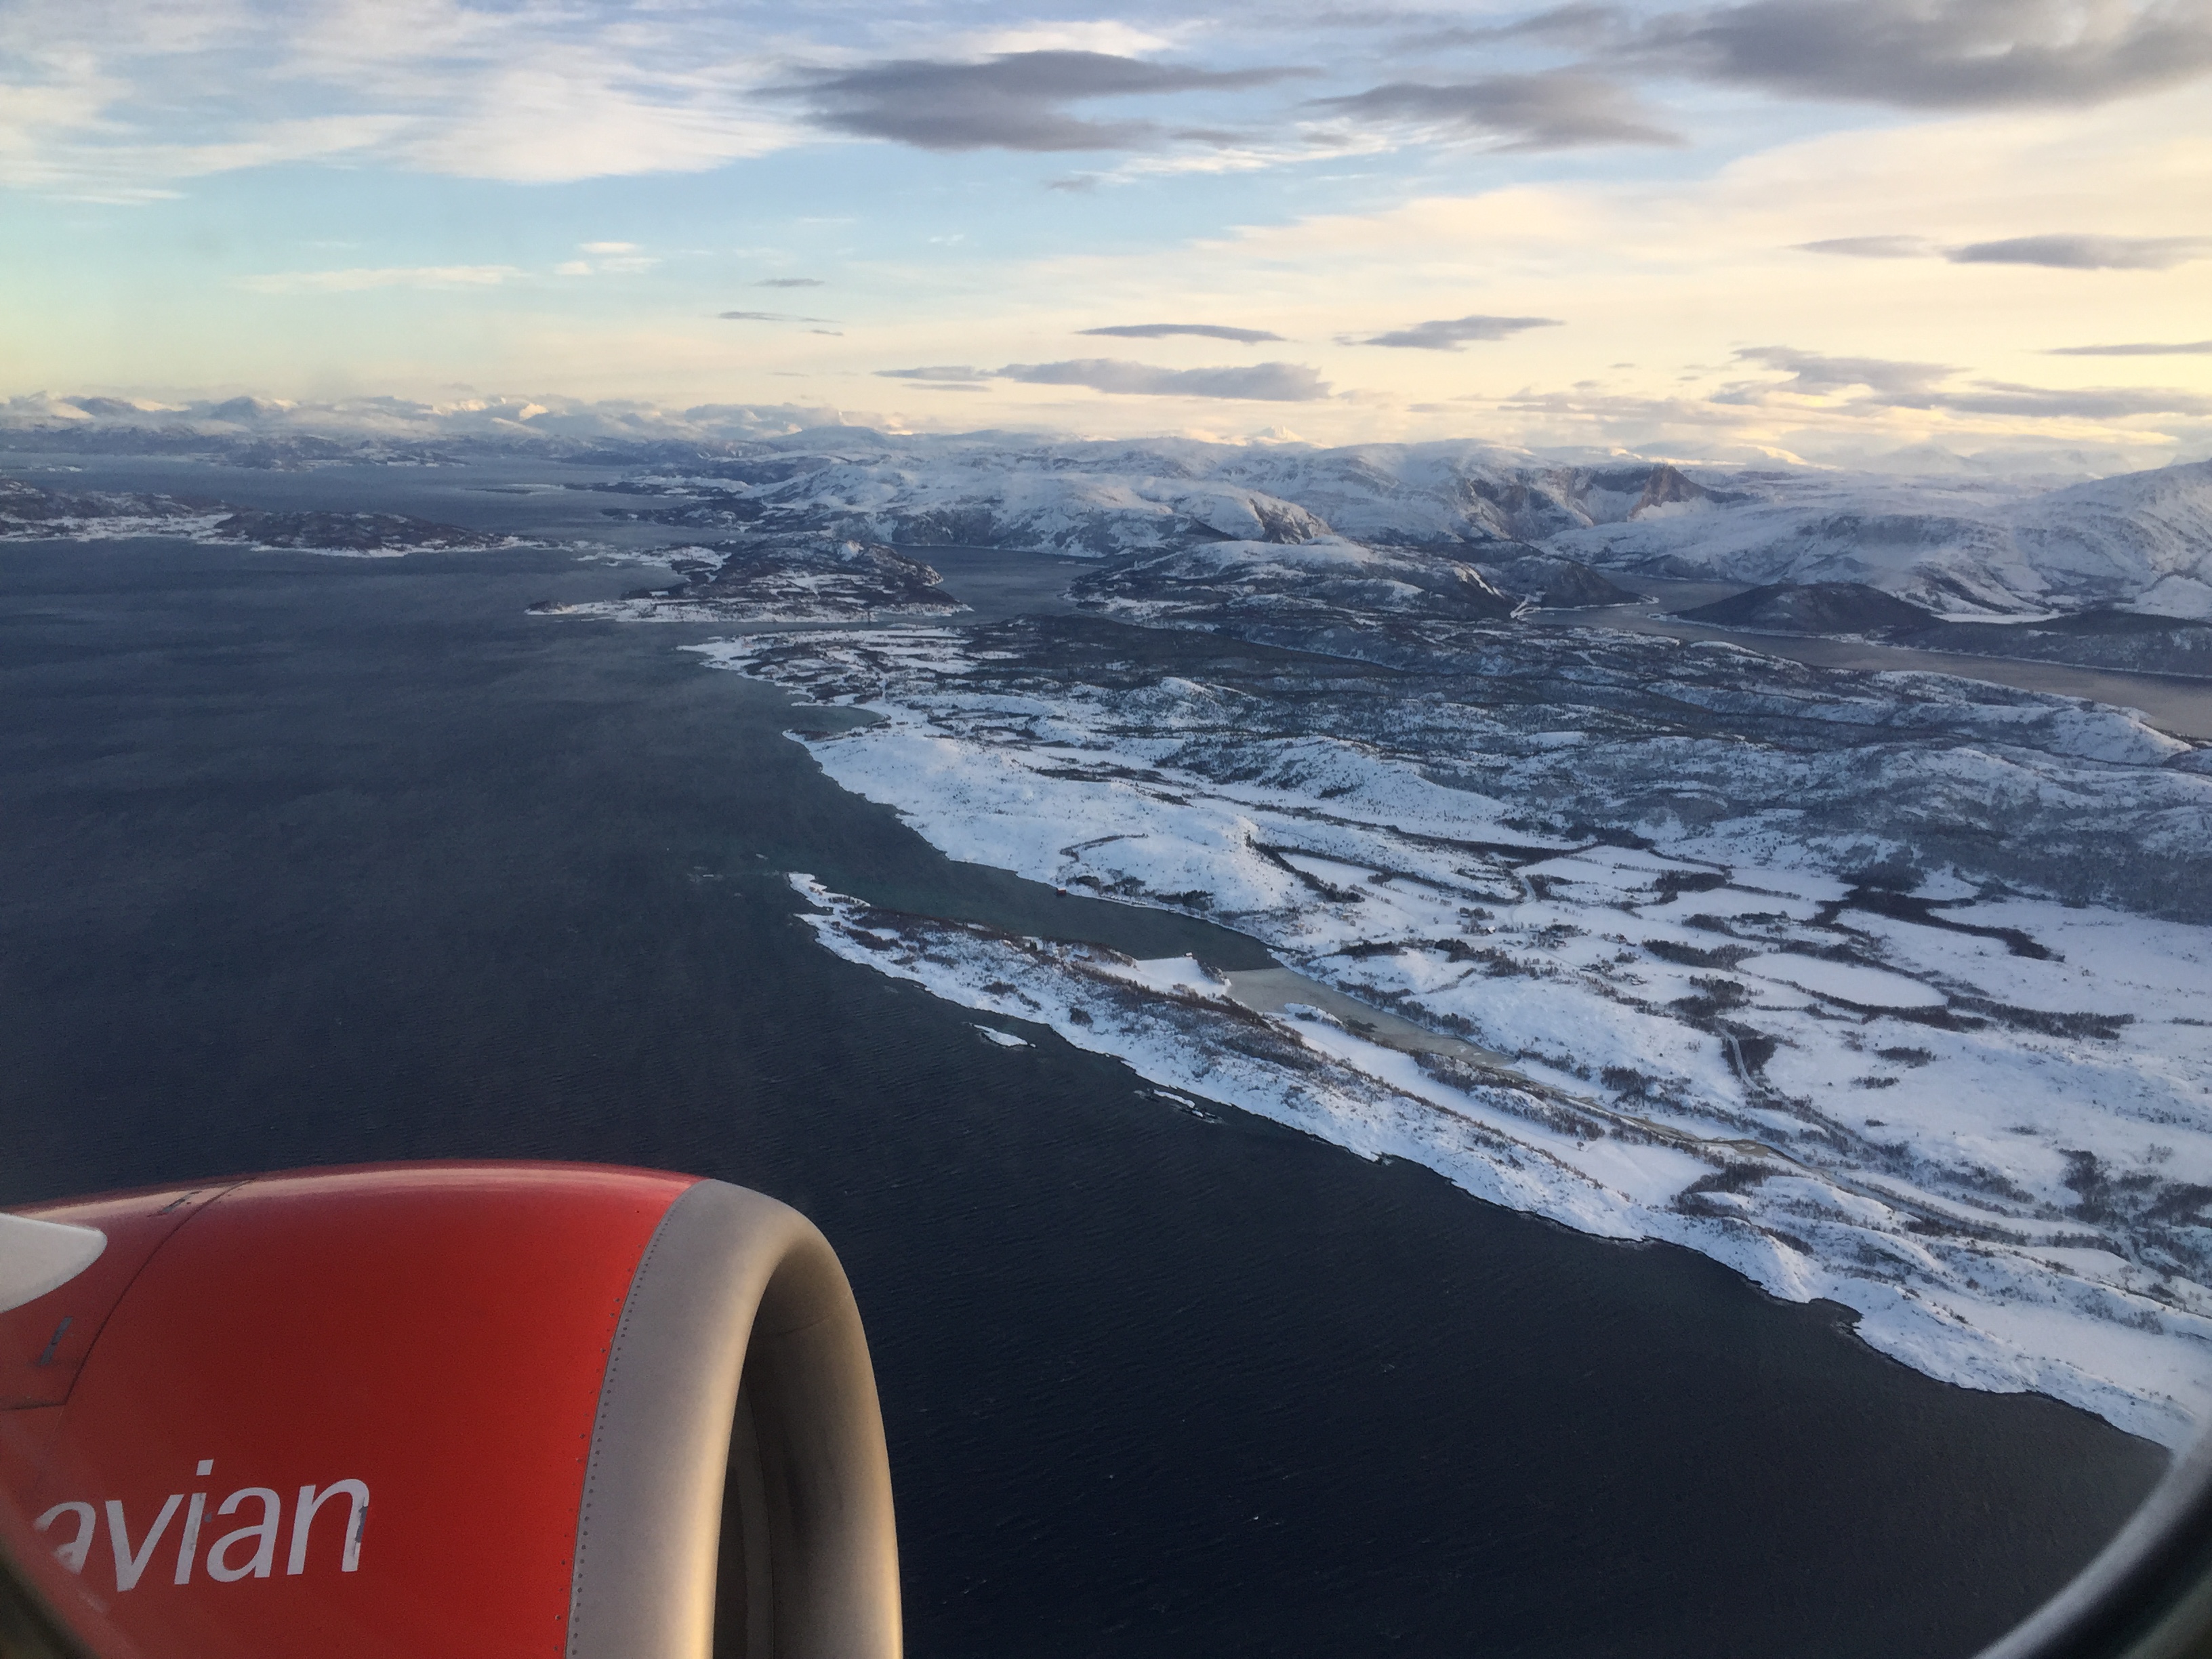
{"x":1965,"y":545}
{"x":1962,"y":548}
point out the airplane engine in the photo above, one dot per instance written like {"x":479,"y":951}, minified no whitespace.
{"x":455,"y":1409}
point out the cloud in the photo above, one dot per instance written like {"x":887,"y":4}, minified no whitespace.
{"x":1892,"y":383}
{"x":1161,"y":330}
{"x":359,"y":278}
{"x":117,"y":100}
{"x":1017,"y":101}
{"x":2059,"y":251}
{"x":768,"y":317}
{"x":1884,"y":383}
{"x":948,"y":372}
{"x":1938,"y":54}
{"x":573,"y":112}
{"x":1873,"y":247}
{"x":1450,"y":333}
{"x":1267,"y":382}
{"x":1575,"y":24}
{"x":791,"y":281}
{"x":1256,"y":382}
{"x":2137,"y":348}
{"x":1558,"y":109}
{"x":616,"y":260}
{"x":2085,"y":252}
{"x":2077,"y":403}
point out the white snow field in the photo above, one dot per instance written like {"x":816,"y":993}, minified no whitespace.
{"x":1977,"y":1113}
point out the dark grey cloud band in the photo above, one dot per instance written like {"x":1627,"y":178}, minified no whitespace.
{"x":2058,"y":251}
{"x":1018,"y":101}
{"x":1934,"y":54}
{"x":1450,"y":333}
{"x":1161,"y":331}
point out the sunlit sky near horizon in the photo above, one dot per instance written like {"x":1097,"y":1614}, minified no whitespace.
{"x":1838,"y":229}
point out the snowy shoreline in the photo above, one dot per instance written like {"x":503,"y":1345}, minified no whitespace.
{"x":1976,"y":1115}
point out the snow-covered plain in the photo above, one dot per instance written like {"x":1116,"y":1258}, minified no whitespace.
{"x":1793,"y":978}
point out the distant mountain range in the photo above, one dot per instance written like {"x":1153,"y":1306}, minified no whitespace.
{"x":1962,"y":548}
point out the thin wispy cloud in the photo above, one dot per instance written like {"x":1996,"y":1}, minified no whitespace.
{"x":1874,"y":247}
{"x":1265,"y":382}
{"x":1162,"y":331}
{"x":768,"y":317}
{"x":359,"y":278}
{"x":960,"y":373}
{"x":611,"y":259}
{"x":2085,"y":252}
{"x":2075,"y":403}
{"x":1578,"y":26}
{"x":1451,"y":333}
{"x":1883,"y":383}
{"x":2136,"y":348}
{"x":1255,"y":382}
{"x":791,"y":281}
{"x":2064,"y":251}
{"x":1556,"y":110}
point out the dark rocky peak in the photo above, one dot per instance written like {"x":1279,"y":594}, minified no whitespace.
{"x":1517,"y":510}
{"x":1281,"y":521}
{"x":1668,"y":485}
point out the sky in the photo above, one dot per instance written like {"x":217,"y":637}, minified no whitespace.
{"x":1849,"y":232}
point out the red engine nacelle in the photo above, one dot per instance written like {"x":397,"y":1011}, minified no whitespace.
{"x":443,"y":1409}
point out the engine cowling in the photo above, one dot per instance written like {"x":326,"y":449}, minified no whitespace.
{"x":444,"y":1409}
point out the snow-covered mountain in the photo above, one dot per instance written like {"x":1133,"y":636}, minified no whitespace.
{"x":2112,"y":533}
{"x":1960,"y":547}
{"x":2143,"y":541}
{"x":995,"y":497}
{"x":1963,"y":545}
